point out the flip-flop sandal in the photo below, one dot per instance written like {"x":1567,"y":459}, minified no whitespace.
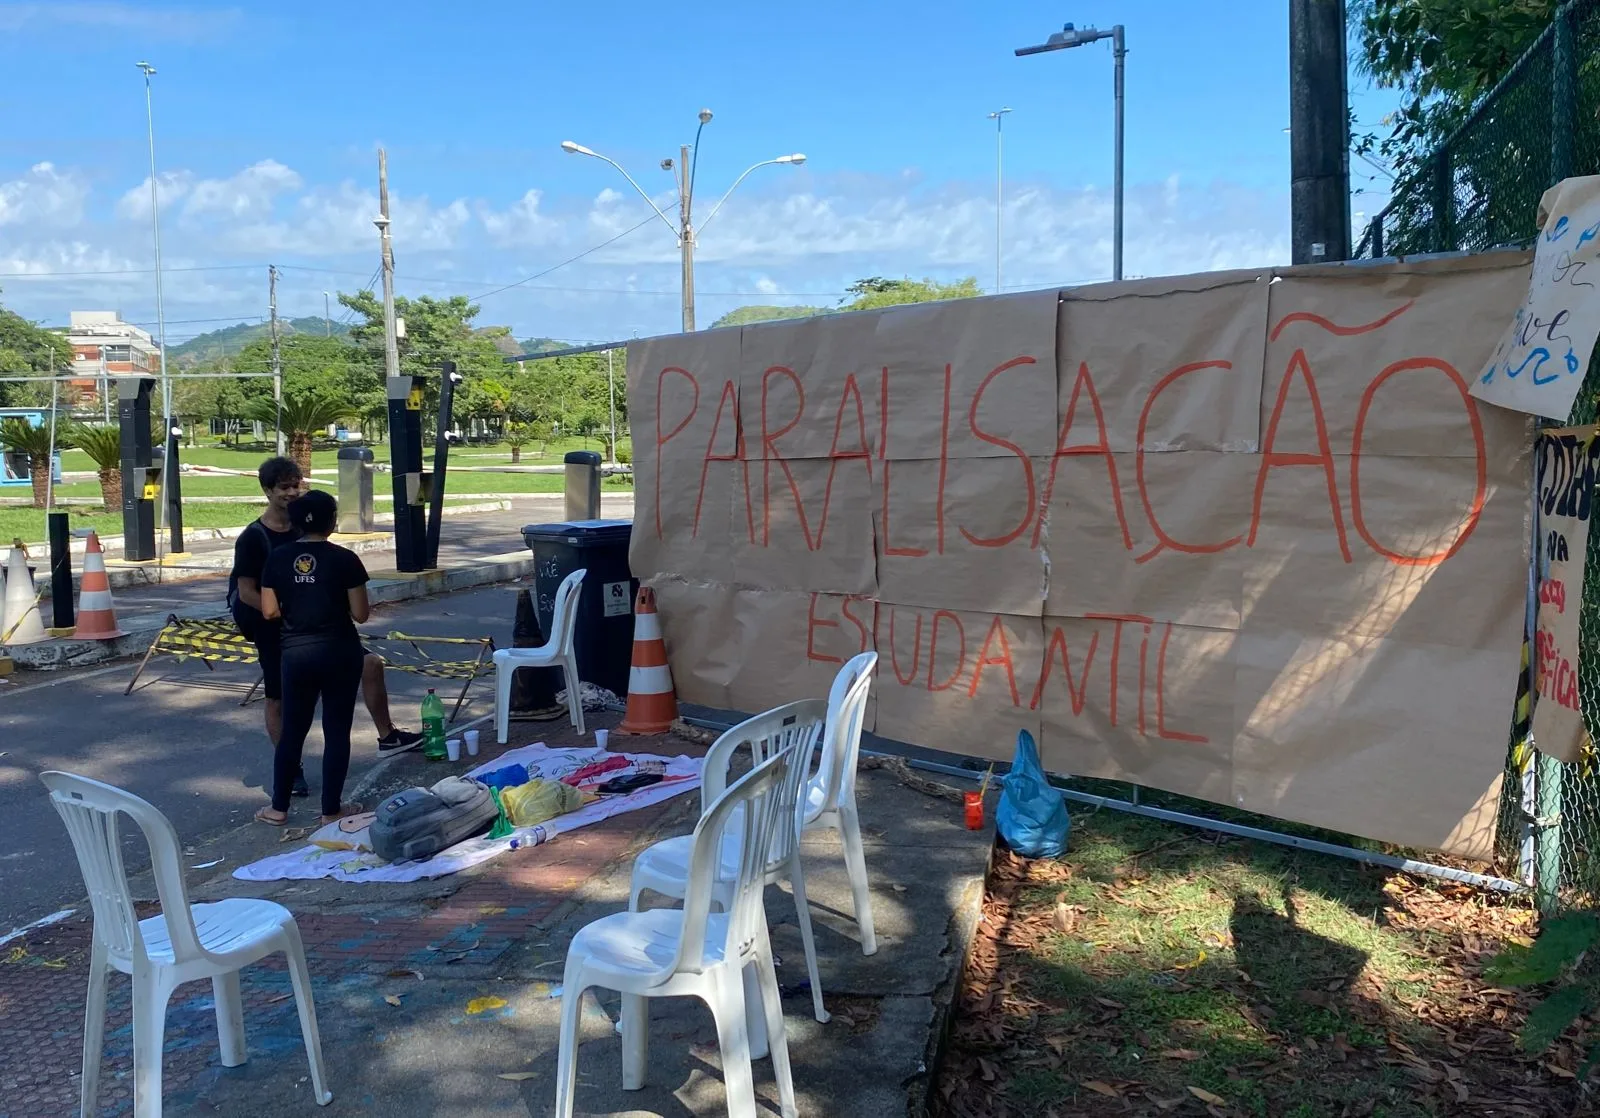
{"x":263,"y":817}
{"x":345,"y":811}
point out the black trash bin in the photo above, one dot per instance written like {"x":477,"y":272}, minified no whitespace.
{"x":604,"y":635}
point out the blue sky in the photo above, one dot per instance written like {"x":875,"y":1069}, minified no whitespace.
{"x":268,"y":117}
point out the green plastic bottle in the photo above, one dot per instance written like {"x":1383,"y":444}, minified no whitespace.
{"x":433,"y":727}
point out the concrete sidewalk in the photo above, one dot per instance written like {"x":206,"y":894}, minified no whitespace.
{"x":399,"y":972}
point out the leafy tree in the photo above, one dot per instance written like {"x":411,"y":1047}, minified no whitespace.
{"x":572,"y":391}
{"x":1556,"y":956}
{"x":876,"y":291}
{"x":216,"y":397}
{"x":306,"y":413}
{"x":26,"y":347}
{"x":518,"y":435}
{"x":19,"y":434}
{"x":437,"y":330}
{"x":102,"y":442}
{"x":1443,"y":56}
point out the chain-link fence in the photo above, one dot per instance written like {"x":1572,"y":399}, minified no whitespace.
{"x":1480,"y":190}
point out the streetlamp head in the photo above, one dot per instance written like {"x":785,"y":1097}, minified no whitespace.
{"x":574,"y":149}
{"x":795,"y":160}
{"x":666,"y":164}
{"x":998,"y":113}
{"x":705,"y":116}
{"x":1065,"y":39}
{"x":146,"y":67}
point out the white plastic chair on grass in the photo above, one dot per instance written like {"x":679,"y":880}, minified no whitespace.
{"x":184,"y":943}
{"x":558,"y":651}
{"x":693,"y":952}
{"x":664,"y":866}
{"x":831,"y":794}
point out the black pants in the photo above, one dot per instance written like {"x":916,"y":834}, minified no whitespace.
{"x":331,"y":672}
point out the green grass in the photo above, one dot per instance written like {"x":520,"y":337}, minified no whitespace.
{"x":1152,"y":960}
{"x":29,"y":523}
{"x":248,"y":457}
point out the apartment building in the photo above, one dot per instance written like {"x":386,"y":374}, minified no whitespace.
{"x":105,"y":346}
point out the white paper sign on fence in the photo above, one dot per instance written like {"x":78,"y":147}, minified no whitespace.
{"x":1566,"y":495}
{"x":1540,"y":363}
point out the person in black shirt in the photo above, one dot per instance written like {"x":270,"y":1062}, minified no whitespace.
{"x":282,"y":481}
{"x":319,"y":591}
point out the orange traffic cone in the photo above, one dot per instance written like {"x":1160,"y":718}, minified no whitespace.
{"x":97,"y":616}
{"x":652,"y":703}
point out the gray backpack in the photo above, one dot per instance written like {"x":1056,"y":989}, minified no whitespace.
{"x":414,"y":825}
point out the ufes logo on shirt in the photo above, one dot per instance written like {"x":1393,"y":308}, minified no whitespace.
{"x":305,"y":569}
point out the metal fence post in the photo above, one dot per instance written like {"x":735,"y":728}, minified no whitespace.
{"x":1444,"y":202}
{"x":1563,"y":97}
{"x":1548,"y":828}
{"x":1375,"y":237}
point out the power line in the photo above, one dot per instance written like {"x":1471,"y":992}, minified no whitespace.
{"x":564,"y":263}
{"x":129,"y":271}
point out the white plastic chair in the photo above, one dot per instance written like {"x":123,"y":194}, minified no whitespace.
{"x":184,"y":943}
{"x":664,"y":866}
{"x":831,"y":794}
{"x":558,"y":650}
{"x":692,"y":952}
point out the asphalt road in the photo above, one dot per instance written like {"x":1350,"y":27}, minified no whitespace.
{"x":182,"y":741}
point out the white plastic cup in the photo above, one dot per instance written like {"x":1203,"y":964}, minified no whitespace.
{"x":452,"y":748}
{"x":601,"y":737}
{"x":472,"y":743}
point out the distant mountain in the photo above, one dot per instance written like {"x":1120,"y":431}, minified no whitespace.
{"x":231,"y":339}
{"x":503,"y":341}
{"x":744,"y":316}
{"x":542,"y":345}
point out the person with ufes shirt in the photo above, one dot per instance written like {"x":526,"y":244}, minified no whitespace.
{"x":318,"y":590}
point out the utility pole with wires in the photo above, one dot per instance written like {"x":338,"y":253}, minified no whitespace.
{"x":277,"y":364}
{"x":391,"y":342}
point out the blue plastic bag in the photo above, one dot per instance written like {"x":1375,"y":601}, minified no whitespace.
{"x":1032,"y":816}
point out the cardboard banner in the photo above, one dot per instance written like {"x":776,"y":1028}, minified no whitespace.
{"x":1564,"y":489}
{"x":1542,"y":358}
{"x":1243,"y":536}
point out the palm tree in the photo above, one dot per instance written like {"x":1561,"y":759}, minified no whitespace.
{"x":17,"y":434}
{"x":103,"y":443}
{"x":518,"y":435}
{"x":304,"y":414}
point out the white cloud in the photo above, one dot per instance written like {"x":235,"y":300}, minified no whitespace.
{"x":249,"y":193}
{"x":252,"y":192}
{"x":521,"y":224}
{"x":105,"y":21}
{"x":134,"y":205}
{"x":799,"y":238}
{"x":44,"y":197}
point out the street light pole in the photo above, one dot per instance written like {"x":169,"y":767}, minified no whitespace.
{"x":1119,"y":53}
{"x":1065,"y":39}
{"x":684,"y":178}
{"x":686,"y":232}
{"x":155,"y":225}
{"x":999,"y":118}
{"x":171,"y":502}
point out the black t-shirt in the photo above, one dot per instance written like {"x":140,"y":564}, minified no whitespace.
{"x":250,"y":552}
{"x":312,"y":581}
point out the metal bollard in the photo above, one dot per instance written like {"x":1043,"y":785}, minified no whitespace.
{"x":583,"y":485}
{"x":355,"y":489}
